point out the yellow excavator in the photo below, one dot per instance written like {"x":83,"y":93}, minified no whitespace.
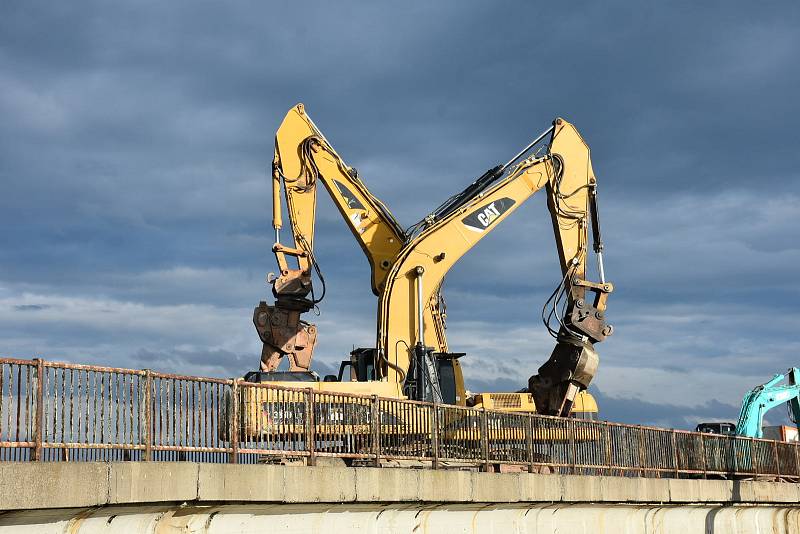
{"x":577,"y":305}
{"x":407,"y":270}
{"x":304,"y":157}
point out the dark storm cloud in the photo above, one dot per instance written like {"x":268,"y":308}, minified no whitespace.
{"x":30,"y":307}
{"x":135,"y":141}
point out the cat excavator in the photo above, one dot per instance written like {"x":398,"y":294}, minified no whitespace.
{"x":577,"y":305}
{"x":303,"y":158}
{"x":411,"y":359}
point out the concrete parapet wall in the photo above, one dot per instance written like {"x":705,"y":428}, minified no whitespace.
{"x":29,"y":486}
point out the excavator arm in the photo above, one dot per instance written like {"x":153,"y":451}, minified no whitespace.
{"x":763,"y":398}
{"x":405,"y":334}
{"x":303,"y":158}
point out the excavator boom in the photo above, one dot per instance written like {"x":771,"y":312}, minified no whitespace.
{"x":404,"y":335}
{"x":763,"y":398}
{"x":303,"y":158}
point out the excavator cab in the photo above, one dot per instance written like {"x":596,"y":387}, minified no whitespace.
{"x":450,"y":377}
{"x":361,"y":368}
{"x":724,"y":429}
{"x":361,"y":364}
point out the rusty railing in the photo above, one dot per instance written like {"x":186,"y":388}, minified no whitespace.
{"x":52,"y":411}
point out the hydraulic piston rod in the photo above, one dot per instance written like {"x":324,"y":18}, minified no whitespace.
{"x":530,"y":146}
{"x":420,"y":308}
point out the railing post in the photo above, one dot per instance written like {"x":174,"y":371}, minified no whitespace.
{"x":609,"y":456}
{"x":703,"y":455}
{"x":529,"y":443}
{"x":435,"y":434}
{"x":233,"y":431}
{"x":485,"y":439}
{"x":675,"y":452}
{"x":573,"y":452}
{"x":796,"y":460}
{"x":148,"y":415}
{"x":375,"y":430}
{"x":642,"y":455}
{"x":37,"y":451}
{"x":777,"y":458}
{"x":310,"y":425}
{"x":753,"y":457}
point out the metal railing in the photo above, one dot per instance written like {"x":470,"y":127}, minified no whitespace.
{"x":52,"y":411}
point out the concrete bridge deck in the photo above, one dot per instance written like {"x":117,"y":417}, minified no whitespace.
{"x":66,"y":485}
{"x":198,"y":497}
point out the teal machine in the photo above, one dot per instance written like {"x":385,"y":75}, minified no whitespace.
{"x":763,"y":398}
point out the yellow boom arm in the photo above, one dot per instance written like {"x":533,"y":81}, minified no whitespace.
{"x":304,"y":157}
{"x":404,"y":333}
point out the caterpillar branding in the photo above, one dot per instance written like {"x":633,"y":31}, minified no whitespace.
{"x":483,"y":217}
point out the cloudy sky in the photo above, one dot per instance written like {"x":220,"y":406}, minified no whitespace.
{"x":136,"y":139}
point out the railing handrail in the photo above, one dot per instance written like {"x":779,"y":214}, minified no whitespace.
{"x":52,"y":409}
